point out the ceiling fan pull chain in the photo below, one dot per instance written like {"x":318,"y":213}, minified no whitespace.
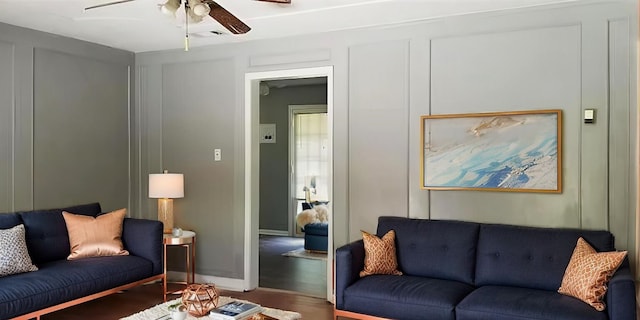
{"x":186,"y":26}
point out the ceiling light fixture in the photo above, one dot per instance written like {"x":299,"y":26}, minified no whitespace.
{"x":198,"y":8}
{"x":195,"y":11}
{"x":170,"y":7}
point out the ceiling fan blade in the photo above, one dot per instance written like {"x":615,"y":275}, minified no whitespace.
{"x":227,"y":19}
{"x":107,"y":4}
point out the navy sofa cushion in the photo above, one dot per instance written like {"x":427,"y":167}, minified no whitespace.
{"x":143,"y":238}
{"x":619,"y":306}
{"x":434,"y":248}
{"x":508,"y":303}
{"x":9,"y":220}
{"x":47,"y":235}
{"x":405,"y":297}
{"x":60,"y":281}
{"x":349,"y":263}
{"x":530,"y":257}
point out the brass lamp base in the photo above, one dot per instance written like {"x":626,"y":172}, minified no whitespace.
{"x":165,"y":213}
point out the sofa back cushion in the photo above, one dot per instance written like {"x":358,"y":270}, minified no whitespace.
{"x":530,"y":257}
{"x":47,"y":235}
{"x":9,"y":220}
{"x":434,"y":248}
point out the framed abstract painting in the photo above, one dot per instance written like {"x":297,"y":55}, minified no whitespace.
{"x":519,"y":151}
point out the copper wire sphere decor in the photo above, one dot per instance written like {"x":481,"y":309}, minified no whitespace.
{"x":200,"y":299}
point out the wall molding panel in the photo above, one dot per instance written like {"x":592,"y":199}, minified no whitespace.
{"x":64,"y":122}
{"x":7,"y":125}
{"x":620,"y":124}
{"x":291,"y":58}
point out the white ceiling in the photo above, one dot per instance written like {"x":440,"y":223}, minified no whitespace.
{"x":139,"y":26}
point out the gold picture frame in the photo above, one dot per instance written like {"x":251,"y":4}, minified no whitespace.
{"x":516,"y":151}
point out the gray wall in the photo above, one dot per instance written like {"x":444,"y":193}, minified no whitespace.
{"x":274,"y":157}
{"x":568,"y":56}
{"x":64,"y":122}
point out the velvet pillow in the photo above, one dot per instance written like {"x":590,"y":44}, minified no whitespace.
{"x":588,"y":272}
{"x":14,"y":255}
{"x":380,"y":254}
{"x":95,"y":237}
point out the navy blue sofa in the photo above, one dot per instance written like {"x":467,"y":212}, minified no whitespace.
{"x":464,"y":270}
{"x":61,"y":283}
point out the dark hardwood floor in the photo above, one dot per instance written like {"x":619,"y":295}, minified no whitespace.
{"x":123,"y":304}
{"x":301,"y":275}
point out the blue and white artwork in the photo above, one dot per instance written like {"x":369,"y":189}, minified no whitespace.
{"x":515,"y":151}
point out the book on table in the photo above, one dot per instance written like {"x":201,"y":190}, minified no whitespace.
{"x":235,"y":310}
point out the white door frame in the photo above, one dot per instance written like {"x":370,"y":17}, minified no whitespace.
{"x":252,"y":162}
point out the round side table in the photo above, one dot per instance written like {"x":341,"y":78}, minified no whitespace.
{"x":188,"y":241}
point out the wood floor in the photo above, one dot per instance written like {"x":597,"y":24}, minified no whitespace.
{"x":120,"y":305}
{"x":301,"y":275}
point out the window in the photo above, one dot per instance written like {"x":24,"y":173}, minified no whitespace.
{"x":311,"y":155}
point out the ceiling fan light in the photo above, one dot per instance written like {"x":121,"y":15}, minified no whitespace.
{"x":201,"y":9}
{"x":194,"y":18}
{"x":170,"y":7}
{"x":198,"y":8}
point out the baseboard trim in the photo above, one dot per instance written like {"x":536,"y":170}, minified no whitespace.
{"x":222,"y":283}
{"x":270,"y":232}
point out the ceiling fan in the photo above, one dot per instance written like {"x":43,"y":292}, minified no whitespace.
{"x":196,"y":10}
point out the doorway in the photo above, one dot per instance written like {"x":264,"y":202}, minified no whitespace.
{"x":252,"y":167}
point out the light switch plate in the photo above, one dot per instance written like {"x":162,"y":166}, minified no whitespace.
{"x":589,"y":115}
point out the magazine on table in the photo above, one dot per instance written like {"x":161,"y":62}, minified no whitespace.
{"x":235,"y":310}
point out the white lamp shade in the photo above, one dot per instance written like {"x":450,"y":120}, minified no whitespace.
{"x":166,"y":185}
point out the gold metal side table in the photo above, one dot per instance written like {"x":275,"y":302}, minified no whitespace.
{"x":188,"y":241}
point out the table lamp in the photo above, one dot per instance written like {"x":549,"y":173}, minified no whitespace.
{"x":166,"y":187}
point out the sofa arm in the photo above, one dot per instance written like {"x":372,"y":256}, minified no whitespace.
{"x":621,"y":295}
{"x":349,"y":263}
{"x":143,"y":238}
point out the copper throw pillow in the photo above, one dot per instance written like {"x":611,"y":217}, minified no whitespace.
{"x":95,"y":237}
{"x":588,"y":272}
{"x":380,"y":254}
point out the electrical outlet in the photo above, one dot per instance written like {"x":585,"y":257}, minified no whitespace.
{"x":217,"y":155}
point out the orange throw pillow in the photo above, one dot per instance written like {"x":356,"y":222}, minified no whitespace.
{"x":588,"y":272}
{"x":380,"y":254}
{"x":95,"y":237}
